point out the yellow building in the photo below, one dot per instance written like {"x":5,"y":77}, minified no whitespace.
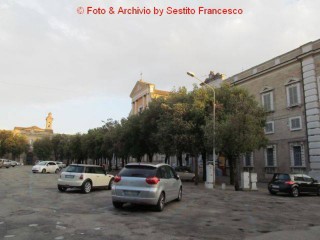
{"x":33,"y":133}
{"x":142,"y":94}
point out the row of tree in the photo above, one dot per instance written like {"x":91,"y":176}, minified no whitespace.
{"x":180,"y":123}
{"x":13,"y":144}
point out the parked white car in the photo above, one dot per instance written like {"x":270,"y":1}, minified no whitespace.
{"x":46,"y":167}
{"x":6,"y":163}
{"x":60,"y":164}
{"x":84,"y":177}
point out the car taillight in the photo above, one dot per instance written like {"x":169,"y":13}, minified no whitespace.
{"x":117,"y":178}
{"x":81,"y":176}
{"x":152,"y":180}
{"x":289,"y":182}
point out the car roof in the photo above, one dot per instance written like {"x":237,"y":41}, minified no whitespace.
{"x":148,"y":164}
{"x":84,"y":165}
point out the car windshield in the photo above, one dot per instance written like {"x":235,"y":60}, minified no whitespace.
{"x":42,"y":163}
{"x":138,"y":171}
{"x":75,"y":169}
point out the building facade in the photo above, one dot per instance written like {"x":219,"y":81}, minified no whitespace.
{"x":142,"y":94}
{"x":34,"y":133}
{"x":288,"y":87}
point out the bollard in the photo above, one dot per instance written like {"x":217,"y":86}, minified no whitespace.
{"x":223,"y":186}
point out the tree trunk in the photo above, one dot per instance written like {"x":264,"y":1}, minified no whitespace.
{"x":179,"y":156}
{"x":204,"y":164}
{"x":166,"y":159}
{"x":234,"y":173}
{"x":150,"y":156}
{"x":196,"y":171}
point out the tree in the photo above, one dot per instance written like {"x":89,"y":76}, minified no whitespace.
{"x":4,"y":137}
{"x":239,"y":126}
{"x":43,"y":148}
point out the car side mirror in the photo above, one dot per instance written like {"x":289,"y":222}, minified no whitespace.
{"x":177,"y":177}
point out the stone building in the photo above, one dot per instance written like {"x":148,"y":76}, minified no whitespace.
{"x":142,"y":94}
{"x":288,"y":87}
{"x":34,"y":133}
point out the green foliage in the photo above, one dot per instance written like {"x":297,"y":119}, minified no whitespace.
{"x":43,"y":148}
{"x":12,"y":143}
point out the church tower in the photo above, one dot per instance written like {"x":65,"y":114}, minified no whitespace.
{"x":49,"y":120}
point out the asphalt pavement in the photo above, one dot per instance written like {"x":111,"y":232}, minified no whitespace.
{"x":31,"y":207}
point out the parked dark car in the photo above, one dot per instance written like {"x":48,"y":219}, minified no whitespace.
{"x":293,"y":184}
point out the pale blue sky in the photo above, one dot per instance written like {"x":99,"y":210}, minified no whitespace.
{"x":83,"y":68}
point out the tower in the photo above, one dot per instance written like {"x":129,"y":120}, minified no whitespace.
{"x":49,"y":120}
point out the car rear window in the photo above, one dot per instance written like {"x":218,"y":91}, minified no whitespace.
{"x":75,"y":169}
{"x":138,"y":171}
{"x":281,"y":177}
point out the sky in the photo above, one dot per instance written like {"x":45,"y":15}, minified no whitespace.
{"x":82,"y":67}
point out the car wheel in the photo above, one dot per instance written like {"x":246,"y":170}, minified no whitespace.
{"x":57,"y":170}
{"x":87,"y":186}
{"x":295,"y":192}
{"x":193,"y":179}
{"x":117,"y":205}
{"x":62,"y":189}
{"x":272,"y":192}
{"x":161,"y":202}
{"x":110,"y":184}
{"x":179,"y":194}
{"x":43,"y":171}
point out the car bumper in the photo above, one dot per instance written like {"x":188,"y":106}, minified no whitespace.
{"x":150,"y":197}
{"x":68,"y":184}
{"x":277,"y":188}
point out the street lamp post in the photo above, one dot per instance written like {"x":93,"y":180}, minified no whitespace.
{"x":191,"y":74}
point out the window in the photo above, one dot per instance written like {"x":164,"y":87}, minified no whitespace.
{"x":270,"y":156}
{"x":269,"y":128}
{"x":293,"y":95}
{"x":295,"y":123}
{"x":248,"y":159}
{"x":297,"y":155}
{"x":267,"y":101}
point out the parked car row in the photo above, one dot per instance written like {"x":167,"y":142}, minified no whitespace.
{"x":8,"y":163}
{"x":137,"y":183}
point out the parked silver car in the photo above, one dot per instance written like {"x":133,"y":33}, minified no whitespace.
{"x":143,"y":183}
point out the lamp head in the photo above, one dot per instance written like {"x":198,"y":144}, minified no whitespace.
{"x":191,"y":74}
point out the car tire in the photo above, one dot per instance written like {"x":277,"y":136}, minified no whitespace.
{"x":57,"y":170}
{"x":193,"y":179}
{"x":117,"y":205}
{"x":295,"y":192}
{"x":62,"y":189}
{"x":179,"y":198}
{"x":110,"y":184}
{"x":43,"y":171}
{"x":272,"y":192}
{"x":161,"y":202}
{"x":86,"y":187}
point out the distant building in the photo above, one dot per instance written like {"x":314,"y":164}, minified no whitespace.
{"x":34,"y":133}
{"x":142,"y":94}
{"x":288,"y":87}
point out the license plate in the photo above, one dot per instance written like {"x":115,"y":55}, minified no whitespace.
{"x":131,"y":193}
{"x":275,"y":186}
{"x":69,"y":176}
